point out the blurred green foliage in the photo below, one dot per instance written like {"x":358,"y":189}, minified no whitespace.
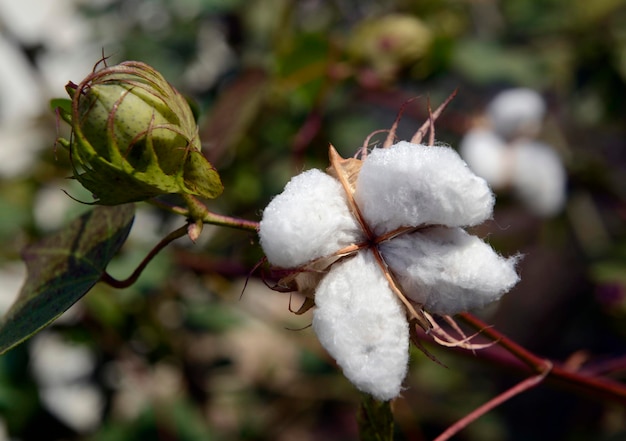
{"x":187,"y":354}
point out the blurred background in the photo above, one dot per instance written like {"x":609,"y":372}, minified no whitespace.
{"x":188,"y":354}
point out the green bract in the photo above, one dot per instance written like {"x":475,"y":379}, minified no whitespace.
{"x":134,"y":137}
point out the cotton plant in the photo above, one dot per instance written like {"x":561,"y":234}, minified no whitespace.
{"x":377,"y":243}
{"x":505,"y":151}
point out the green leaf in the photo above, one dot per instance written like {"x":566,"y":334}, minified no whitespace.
{"x":375,"y":420}
{"x":62,"y":268}
{"x":64,"y":104}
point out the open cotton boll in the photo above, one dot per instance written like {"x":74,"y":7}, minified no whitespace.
{"x":362,"y":324}
{"x":410,"y":185}
{"x":309,"y":219}
{"x":516,"y":112}
{"x":487,"y":156}
{"x":539,"y":177}
{"x":448,"y":270}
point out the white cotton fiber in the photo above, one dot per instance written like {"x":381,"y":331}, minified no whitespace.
{"x":362,"y":324}
{"x":309,"y":219}
{"x":410,"y":185}
{"x":487,"y":155}
{"x":448,"y":270}
{"x":539,"y":177}
{"x":516,"y":112}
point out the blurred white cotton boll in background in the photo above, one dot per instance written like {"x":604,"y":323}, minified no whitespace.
{"x":21,"y":136}
{"x":55,"y":361}
{"x":19,"y":87}
{"x":516,"y":112}
{"x":62,"y":371}
{"x":55,"y":23}
{"x":57,"y":66}
{"x":12,"y":277}
{"x":538,"y":177}
{"x":53,"y":207}
{"x":21,"y":143}
{"x":507,"y":156}
{"x":77,"y":405}
{"x":487,"y":155}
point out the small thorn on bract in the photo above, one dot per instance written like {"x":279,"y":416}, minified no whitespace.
{"x":363,"y":150}
{"x":431,"y":137}
{"x":421,"y":132}
{"x":392,"y":132}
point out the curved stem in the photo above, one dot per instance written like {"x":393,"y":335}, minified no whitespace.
{"x":196,"y":211}
{"x":115,"y":283}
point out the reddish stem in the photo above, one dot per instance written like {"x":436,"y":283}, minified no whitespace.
{"x":119,"y":284}
{"x":533,"y":361}
{"x":602,"y":388}
{"x":522,"y":386}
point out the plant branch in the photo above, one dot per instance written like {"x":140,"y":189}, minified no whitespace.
{"x":600,"y":387}
{"x":533,"y":361}
{"x":232,"y":222}
{"x":207,"y":216}
{"x":115,"y":283}
{"x":196,"y":212}
{"x":522,"y":386}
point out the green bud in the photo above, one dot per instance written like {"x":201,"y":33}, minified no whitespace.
{"x":134,"y":137}
{"x":390,"y":42}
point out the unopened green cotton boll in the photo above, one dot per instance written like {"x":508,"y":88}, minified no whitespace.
{"x":390,"y":42}
{"x":134,"y":137}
